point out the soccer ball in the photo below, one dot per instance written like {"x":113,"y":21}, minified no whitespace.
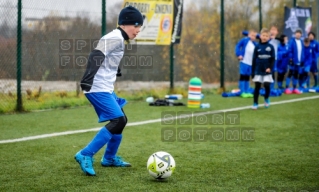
{"x":161,"y":165}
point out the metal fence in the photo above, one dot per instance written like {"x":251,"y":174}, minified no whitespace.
{"x":46,"y":24}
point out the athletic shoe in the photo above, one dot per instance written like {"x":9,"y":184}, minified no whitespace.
{"x":288,"y":91}
{"x":255,"y":106}
{"x":114,"y":162}
{"x":245,"y":95}
{"x":249,"y":95}
{"x":267,"y":103}
{"x":296,"y":91}
{"x":86,"y":163}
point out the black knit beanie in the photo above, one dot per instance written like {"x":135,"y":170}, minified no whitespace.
{"x":130,"y":16}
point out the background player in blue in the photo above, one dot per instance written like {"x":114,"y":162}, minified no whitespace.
{"x":282,"y":60}
{"x":244,"y":52}
{"x":275,"y":43}
{"x":296,"y":59}
{"x":98,"y":85}
{"x":263,"y":62}
{"x":315,"y":53}
{"x":305,"y":69}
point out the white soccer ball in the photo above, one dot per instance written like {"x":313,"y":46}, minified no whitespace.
{"x":161,"y":165}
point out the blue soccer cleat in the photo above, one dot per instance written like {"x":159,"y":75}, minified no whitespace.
{"x":267,"y":103}
{"x":86,"y":163}
{"x":114,"y":162}
{"x":255,"y":106}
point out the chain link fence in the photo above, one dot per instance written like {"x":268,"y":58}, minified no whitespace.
{"x":48,"y":83}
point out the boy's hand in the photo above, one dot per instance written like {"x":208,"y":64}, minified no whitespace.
{"x":268,"y":70}
{"x":240,"y":57}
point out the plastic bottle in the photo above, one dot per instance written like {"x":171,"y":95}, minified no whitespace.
{"x":204,"y":105}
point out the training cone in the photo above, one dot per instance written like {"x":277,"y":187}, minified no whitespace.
{"x":194,"y":93}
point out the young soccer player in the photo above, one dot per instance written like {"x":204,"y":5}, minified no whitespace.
{"x":305,"y":69}
{"x":315,"y":53}
{"x":97,"y":84}
{"x":263,"y":62}
{"x":282,"y":60}
{"x":296,"y":59}
{"x":244,"y":52}
{"x":275,"y":43}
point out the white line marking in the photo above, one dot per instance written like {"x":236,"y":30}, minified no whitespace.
{"x":146,"y":122}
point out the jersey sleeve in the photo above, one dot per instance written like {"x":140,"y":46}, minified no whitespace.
{"x":239,"y":48}
{"x":107,"y":45}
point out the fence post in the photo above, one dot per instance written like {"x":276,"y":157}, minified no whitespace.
{"x":103,"y":17}
{"x":260,"y":16}
{"x":19,"y":106}
{"x":172,"y":66}
{"x":222,"y":55}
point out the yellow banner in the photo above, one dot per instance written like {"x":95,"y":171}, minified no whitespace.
{"x":158,"y":21}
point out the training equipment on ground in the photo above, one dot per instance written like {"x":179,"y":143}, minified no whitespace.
{"x":194,"y":93}
{"x":161,"y":165}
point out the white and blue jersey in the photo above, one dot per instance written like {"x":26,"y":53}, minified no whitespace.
{"x":296,"y":51}
{"x":245,"y":48}
{"x":98,"y":80}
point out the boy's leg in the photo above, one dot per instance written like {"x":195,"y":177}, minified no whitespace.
{"x":314,"y":71}
{"x":288,"y":78}
{"x":84,"y":157}
{"x":295,"y":80}
{"x":273,"y":73}
{"x":107,"y":109}
{"x":109,"y":158}
{"x":256,"y":93}
{"x":315,"y":78}
{"x":247,"y":78}
{"x":280,"y":79}
{"x":267,"y":93}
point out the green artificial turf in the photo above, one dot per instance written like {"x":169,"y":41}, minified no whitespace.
{"x":283,"y":155}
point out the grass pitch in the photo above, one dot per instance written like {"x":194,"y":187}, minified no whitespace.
{"x":284,"y":154}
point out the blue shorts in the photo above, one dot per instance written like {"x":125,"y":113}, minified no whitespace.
{"x":107,"y":105}
{"x":314,"y":67}
{"x":282,"y":67}
{"x":296,"y":68}
{"x":304,"y":69}
{"x":244,"y":69}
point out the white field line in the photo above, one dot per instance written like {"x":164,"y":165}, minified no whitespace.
{"x":148,"y":121}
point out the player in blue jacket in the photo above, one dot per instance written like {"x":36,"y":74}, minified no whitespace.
{"x":282,"y":60}
{"x":296,"y":59}
{"x":244,"y":52}
{"x":305,"y":69}
{"x":275,"y":43}
{"x":315,"y":53}
{"x":98,"y":86}
{"x":263,"y":63}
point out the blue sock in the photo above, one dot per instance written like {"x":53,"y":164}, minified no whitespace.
{"x":287,"y":82}
{"x":241,"y":86}
{"x":315,"y":77}
{"x":246,"y":86}
{"x":113,"y":146}
{"x":279,"y":84}
{"x":100,"y":139}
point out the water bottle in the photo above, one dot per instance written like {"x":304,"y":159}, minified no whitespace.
{"x":204,"y":105}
